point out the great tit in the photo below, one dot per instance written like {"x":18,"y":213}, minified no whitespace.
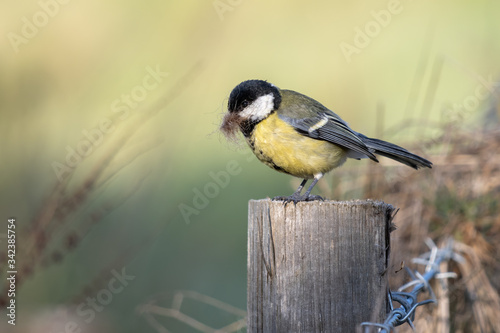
{"x":295,"y":134}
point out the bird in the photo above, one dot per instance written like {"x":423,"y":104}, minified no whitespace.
{"x":295,"y":134}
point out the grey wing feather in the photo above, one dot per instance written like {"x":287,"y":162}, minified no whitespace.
{"x":396,"y":153}
{"x":335,"y":131}
{"x":312,"y":119}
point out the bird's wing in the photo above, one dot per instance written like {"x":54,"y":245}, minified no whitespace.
{"x":312,"y":119}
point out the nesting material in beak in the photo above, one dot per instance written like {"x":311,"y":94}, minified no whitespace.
{"x":231,"y":125}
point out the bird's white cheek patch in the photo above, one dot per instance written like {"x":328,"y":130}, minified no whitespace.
{"x":260,"y":108}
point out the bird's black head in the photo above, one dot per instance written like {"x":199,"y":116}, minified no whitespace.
{"x":250,"y":102}
{"x":254,"y":99}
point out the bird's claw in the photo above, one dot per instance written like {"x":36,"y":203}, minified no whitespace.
{"x":298,"y":198}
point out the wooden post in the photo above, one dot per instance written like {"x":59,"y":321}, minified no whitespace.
{"x":317,"y":266}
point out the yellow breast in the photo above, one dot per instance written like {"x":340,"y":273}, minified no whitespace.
{"x":281,"y":147}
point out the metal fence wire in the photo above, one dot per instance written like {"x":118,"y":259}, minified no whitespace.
{"x":420,"y":283}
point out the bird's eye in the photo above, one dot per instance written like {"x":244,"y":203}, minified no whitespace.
{"x":244,"y":104}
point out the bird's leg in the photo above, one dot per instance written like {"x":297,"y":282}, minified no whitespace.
{"x":296,"y":197}
{"x":307,"y":196}
{"x":301,"y":186}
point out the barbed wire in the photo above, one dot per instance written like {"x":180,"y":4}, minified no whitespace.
{"x":420,"y":282}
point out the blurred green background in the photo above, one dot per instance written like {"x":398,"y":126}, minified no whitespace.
{"x":66,"y":71}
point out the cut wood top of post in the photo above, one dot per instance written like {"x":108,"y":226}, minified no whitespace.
{"x":356,"y":202}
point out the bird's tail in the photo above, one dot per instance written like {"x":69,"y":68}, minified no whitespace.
{"x":396,"y":153}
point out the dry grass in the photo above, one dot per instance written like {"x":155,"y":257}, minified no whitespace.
{"x":64,"y":217}
{"x":153,"y":312}
{"x":459,"y":197}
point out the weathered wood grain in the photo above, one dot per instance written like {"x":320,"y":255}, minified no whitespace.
{"x":318,"y":266}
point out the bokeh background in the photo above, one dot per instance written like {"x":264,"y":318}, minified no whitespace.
{"x":160,"y":193}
